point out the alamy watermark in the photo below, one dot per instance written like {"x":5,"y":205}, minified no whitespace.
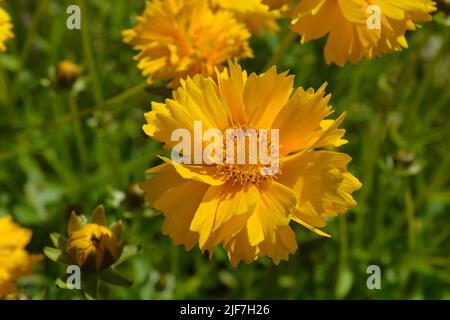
{"x":374,"y":280}
{"x":73,"y":281}
{"x":73,"y":21}
{"x":374,"y":20}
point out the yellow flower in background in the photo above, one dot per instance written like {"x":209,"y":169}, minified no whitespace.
{"x":5,"y":29}
{"x":276,"y":4}
{"x":352,"y":33}
{"x":67,"y":73}
{"x":93,"y":246}
{"x":256,"y":16}
{"x":235,"y":205}
{"x":15,"y":261}
{"x":177,"y":38}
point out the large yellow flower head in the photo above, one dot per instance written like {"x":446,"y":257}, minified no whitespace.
{"x":177,"y":38}
{"x":5,"y":29}
{"x":358,"y":29}
{"x":247,"y":206}
{"x":15,"y":261}
{"x":256,"y":16}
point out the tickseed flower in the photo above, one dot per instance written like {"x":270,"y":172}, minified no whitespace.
{"x":237,"y":205}
{"x":5,"y":29}
{"x":177,"y":38}
{"x":15,"y":261}
{"x":275,"y":4}
{"x":67,"y":73}
{"x":256,"y":16}
{"x":92,"y":246}
{"x":358,"y":29}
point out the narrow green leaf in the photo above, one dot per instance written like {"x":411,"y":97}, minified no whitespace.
{"x":127,"y":252}
{"x":111,"y":276}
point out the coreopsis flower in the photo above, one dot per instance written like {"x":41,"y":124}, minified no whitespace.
{"x":5,"y":29}
{"x":67,"y":73}
{"x":15,"y":261}
{"x":275,"y":4}
{"x":256,"y":16}
{"x":358,"y":29}
{"x":177,"y":38}
{"x":248,"y":208}
{"x":92,"y":246}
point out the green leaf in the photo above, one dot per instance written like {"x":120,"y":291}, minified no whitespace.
{"x":61,"y":282}
{"x":127,"y":252}
{"x":111,"y":276}
{"x":59,"y":241}
{"x":57,"y":255}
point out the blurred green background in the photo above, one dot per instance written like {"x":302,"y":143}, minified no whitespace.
{"x":63,"y":150}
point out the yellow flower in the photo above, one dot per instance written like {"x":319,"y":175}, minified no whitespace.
{"x":5,"y":29}
{"x":93,"y":246}
{"x":275,"y":4}
{"x":67,"y":73}
{"x":353,"y":33}
{"x":15,"y":261}
{"x":177,"y":38}
{"x":236,"y":205}
{"x":256,"y":16}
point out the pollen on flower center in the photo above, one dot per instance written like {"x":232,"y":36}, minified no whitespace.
{"x":250,"y":157}
{"x":244,"y":173}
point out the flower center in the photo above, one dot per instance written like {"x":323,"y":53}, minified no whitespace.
{"x":95,"y":241}
{"x":251,"y":156}
{"x":244,"y":173}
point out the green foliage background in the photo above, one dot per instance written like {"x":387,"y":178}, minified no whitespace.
{"x":64,"y":150}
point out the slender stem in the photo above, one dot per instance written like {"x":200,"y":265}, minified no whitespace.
{"x":5,"y":97}
{"x":88,"y":55}
{"x":81,"y":145}
{"x":39,"y":14}
{"x":343,"y":242}
{"x":79,"y":114}
{"x":106,"y":105}
{"x":284,"y":45}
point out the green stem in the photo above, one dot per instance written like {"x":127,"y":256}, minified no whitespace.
{"x":5,"y":97}
{"x":79,"y":114}
{"x":284,"y":45}
{"x":81,"y":145}
{"x":38,"y":15}
{"x":87,"y":51}
{"x":88,"y":111}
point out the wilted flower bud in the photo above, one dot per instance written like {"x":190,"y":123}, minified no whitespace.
{"x":67,"y":73}
{"x":93,"y":246}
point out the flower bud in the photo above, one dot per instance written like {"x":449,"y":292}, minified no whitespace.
{"x":67,"y":73}
{"x":93,"y":246}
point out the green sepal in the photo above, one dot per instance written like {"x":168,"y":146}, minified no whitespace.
{"x":75,"y":223}
{"x":57,"y":255}
{"x":90,"y":285}
{"x":128,"y":252}
{"x":59,"y":241}
{"x":117,"y":228}
{"x":111,"y":276}
{"x":98,"y":216}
